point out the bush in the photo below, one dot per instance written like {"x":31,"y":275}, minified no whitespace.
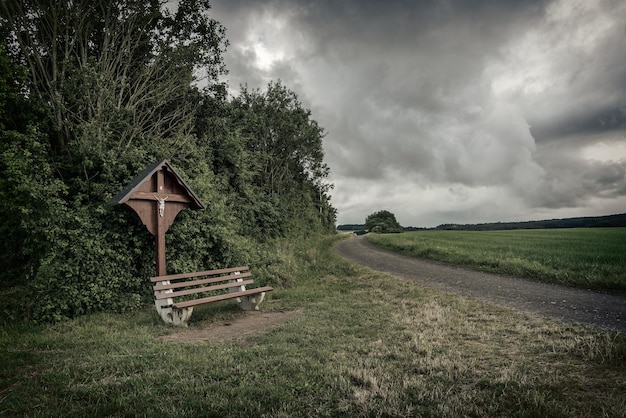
{"x":383,"y":222}
{"x":92,"y":268}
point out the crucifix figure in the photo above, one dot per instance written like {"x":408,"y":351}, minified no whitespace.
{"x":161,"y":201}
{"x":147,"y":194}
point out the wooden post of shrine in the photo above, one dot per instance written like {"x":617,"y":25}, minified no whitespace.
{"x":157,"y":195}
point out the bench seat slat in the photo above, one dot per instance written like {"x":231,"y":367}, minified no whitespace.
{"x":225,"y":296}
{"x":201,"y":281}
{"x":198,"y":274}
{"x":202,"y":289}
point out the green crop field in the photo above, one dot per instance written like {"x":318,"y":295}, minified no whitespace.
{"x":592,"y":258}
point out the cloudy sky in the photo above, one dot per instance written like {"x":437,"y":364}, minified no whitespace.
{"x":450,"y":111}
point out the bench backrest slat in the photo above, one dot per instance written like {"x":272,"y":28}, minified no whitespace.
{"x":198,"y":274}
{"x":202,"y":289}
{"x":201,"y":281}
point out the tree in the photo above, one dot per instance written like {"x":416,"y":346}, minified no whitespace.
{"x":29,"y":192}
{"x":282,"y":134}
{"x":281,"y":148}
{"x":117,"y":76}
{"x":383,"y":222}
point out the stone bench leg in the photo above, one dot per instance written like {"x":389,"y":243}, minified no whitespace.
{"x":251,"y":303}
{"x":247,"y":303}
{"x":170,"y":314}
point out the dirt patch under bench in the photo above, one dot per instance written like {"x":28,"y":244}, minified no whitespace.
{"x":249,"y":324}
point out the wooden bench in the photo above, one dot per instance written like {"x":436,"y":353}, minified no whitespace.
{"x":175,"y":295}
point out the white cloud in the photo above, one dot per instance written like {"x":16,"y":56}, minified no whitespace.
{"x":607,"y":148}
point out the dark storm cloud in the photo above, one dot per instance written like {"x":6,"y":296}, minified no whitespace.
{"x":475,"y":110}
{"x":611,"y":118}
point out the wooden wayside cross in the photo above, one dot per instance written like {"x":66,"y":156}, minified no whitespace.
{"x":157,"y":195}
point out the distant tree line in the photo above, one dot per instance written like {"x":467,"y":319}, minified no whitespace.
{"x":351,"y":227}
{"x":584,"y":222}
{"x":92,"y":92}
{"x":581,"y":222}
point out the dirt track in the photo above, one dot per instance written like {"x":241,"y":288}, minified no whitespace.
{"x":587,"y":307}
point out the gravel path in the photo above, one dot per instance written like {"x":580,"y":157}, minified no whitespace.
{"x":603,"y":310}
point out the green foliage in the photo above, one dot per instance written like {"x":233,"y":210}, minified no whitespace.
{"x":268,"y":158}
{"x":93,"y":92}
{"x":31,"y":201}
{"x":383,"y":222}
{"x":90,"y":269}
{"x":31,"y":198}
{"x":207,"y":239}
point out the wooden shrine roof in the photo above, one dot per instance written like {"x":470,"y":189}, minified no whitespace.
{"x":146,"y":175}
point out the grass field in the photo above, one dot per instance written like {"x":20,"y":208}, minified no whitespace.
{"x":366,"y":345}
{"x":592,"y":258}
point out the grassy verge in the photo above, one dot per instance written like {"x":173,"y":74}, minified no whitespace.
{"x":366,"y":345}
{"x":593,"y":258}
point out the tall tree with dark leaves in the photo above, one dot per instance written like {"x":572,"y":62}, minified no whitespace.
{"x":118,"y":76}
{"x":30,"y":195}
{"x":289,"y":171}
